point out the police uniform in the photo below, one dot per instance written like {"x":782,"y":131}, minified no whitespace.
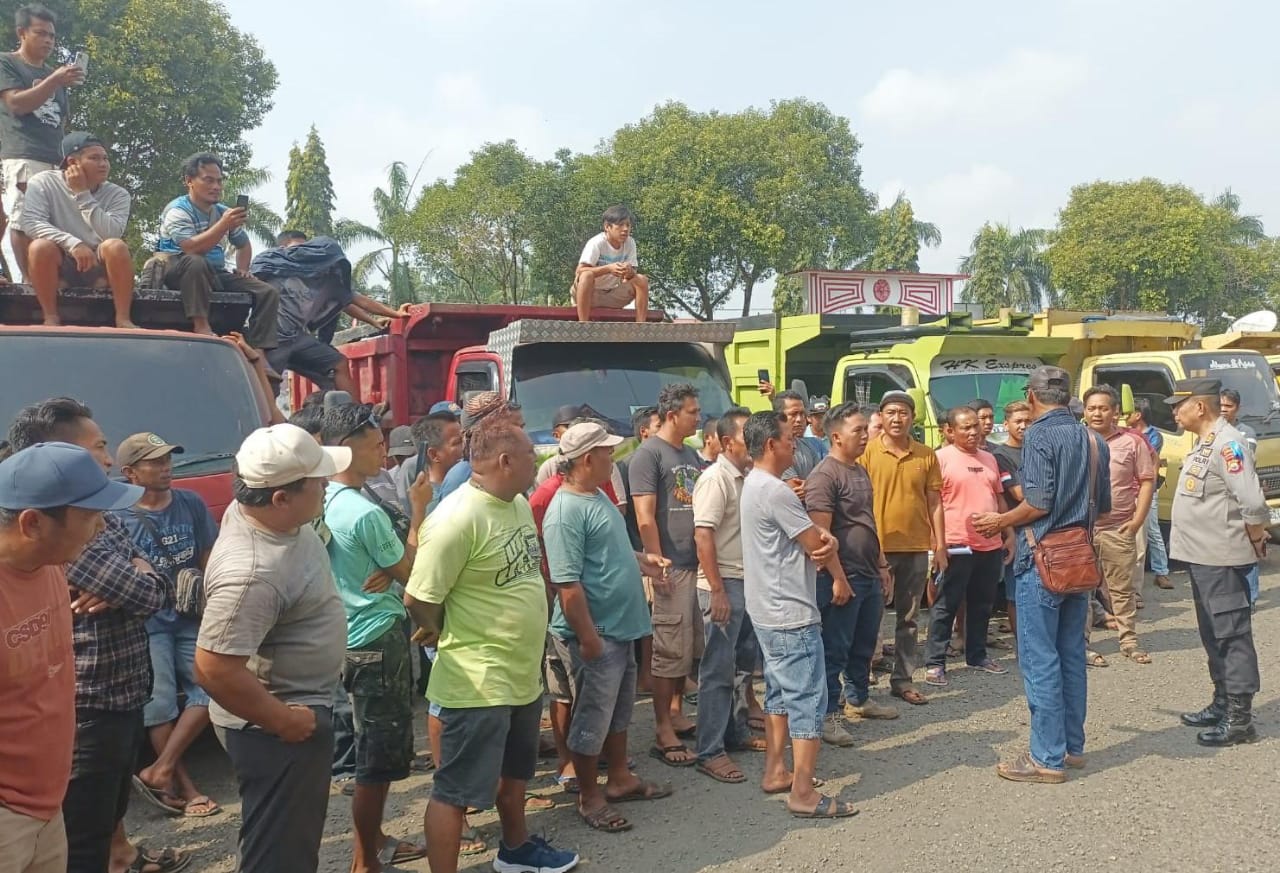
{"x":1217,"y":495}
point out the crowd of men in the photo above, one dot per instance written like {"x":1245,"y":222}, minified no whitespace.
{"x":297,"y":625}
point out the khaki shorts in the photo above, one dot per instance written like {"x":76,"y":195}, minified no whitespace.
{"x":618,"y":296}
{"x":677,"y":626}
{"x":18,"y":171}
{"x":28,"y":845}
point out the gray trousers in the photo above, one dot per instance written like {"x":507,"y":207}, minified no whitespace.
{"x":284,"y":793}
{"x":727,"y":661}
{"x":1226,"y":626}
{"x":910,"y":570}
{"x":196,"y":280}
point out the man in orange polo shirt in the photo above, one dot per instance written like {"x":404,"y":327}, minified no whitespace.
{"x":907,"y":486}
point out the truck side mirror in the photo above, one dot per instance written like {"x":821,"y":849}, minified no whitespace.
{"x":918,"y":398}
{"x":800,"y":388}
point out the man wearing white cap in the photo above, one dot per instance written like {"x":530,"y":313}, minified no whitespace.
{"x":600,"y":612}
{"x":271,"y":645}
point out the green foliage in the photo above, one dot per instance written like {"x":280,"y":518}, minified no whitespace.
{"x":390,"y":265}
{"x":264,"y":223}
{"x":1008,"y":269}
{"x":309,"y":189}
{"x":788,"y":296}
{"x":898,"y":237}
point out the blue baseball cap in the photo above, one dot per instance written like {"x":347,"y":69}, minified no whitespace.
{"x":445,"y":406}
{"x":50,"y":475}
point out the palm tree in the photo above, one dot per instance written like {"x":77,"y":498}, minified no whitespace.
{"x":263,"y":223}
{"x":1245,"y":229}
{"x":389,"y":262}
{"x":1009,"y":269}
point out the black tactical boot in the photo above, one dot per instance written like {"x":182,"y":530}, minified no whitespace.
{"x":1236,"y":728}
{"x":1212,"y":714}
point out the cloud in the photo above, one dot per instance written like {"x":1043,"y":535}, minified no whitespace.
{"x":1023,"y":86}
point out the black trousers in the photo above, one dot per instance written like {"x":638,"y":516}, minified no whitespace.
{"x":1226,"y":626}
{"x":972,"y":580}
{"x":102,"y":766}
{"x":284,"y":794}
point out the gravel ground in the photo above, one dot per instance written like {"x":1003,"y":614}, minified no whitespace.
{"x":1150,"y":799}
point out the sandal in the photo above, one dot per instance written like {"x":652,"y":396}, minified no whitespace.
{"x":999,"y":645}
{"x":687,"y":733}
{"x":606,"y":819}
{"x":828,"y":807}
{"x":644,"y":790}
{"x":786,"y":789}
{"x":953,"y":652}
{"x":664,"y":753}
{"x":910,"y":695}
{"x":537,"y":803}
{"x":568,"y":784}
{"x":156,"y":797}
{"x":204,"y":807}
{"x":756,"y":723}
{"x":750,"y":744}
{"x":936,"y":676}
{"x":471,"y":843}
{"x":164,"y":861}
{"x":1137,"y":656}
{"x":722,"y":769}
{"x":1093,"y":659}
{"x":396,"y":851}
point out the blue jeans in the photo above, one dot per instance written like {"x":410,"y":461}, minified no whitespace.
{"x":794,"y":680}
{"x":1051,"y":656}
{"x":722,"y":703}
{"x":849,"y":635}
{"x":1254,"y":584}
{"x":1157,"y":554}
{"x":172,"y":640}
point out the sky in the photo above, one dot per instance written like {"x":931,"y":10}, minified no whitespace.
{"x":979,"y":111}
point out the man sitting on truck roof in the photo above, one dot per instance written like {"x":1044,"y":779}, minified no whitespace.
{"x":193,"y":228}
{"x":606,"y":275}
{"x":76,"y":220}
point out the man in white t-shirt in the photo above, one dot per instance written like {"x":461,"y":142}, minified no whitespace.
{"x":606,"y":276}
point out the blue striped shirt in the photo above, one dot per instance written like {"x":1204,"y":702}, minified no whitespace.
{"x":1055,"y":461}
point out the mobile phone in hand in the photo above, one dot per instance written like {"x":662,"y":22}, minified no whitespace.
{"x":81,"y":60}
{"x":242,"y":201}
{"x":422,"y":459}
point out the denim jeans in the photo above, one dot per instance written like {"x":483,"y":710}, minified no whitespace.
{"x":794,"y":680}
{"x":849,"y":635}
{"x":172,"y":639}
{"x":1254,"y":584}
{"x":1051,"y":657}
{"x":722,"y":705}
{"x":1157,"y":554}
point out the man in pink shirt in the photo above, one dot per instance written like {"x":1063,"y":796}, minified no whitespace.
{"x":1133,"y":477}
{"x":971,"y":485}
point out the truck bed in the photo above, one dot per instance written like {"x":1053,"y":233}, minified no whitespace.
{"x":155,"y":309}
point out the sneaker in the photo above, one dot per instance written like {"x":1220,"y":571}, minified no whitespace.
{"x":936,"y":676}
{"x":535,"y":856}
{"x":990,"y":666}
{"x":868,"y":709}
{"x":834,"y":733}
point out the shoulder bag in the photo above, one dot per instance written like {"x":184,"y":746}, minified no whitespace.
{"x":1065,"y":558}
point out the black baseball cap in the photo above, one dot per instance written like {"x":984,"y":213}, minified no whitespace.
{"x":78,"y":141}
{"x":1185,"y":389}
{"x":1046,"y":378}
{"x":566,"y":415}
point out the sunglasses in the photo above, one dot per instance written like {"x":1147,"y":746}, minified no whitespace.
{"x":372,"y":421}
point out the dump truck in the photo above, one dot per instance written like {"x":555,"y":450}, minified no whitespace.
{"x":539,"y":357}
{"x":196,"y":391}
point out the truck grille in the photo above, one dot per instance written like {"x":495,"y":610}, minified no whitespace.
{"x":1270,"y":477}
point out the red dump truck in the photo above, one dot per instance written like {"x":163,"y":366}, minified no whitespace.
{"x":538,"y":356}
{"x":196,"y":391}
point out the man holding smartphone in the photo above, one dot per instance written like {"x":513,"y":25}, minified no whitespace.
{"x":193,"y":231}
{"x":35,"y":112}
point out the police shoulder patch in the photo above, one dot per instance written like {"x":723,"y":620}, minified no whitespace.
{"x":1233,"y":456}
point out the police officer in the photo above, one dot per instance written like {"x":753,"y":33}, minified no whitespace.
{"x":1219,"y":530}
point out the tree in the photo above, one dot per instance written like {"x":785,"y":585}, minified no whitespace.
{"x":391,"y":262}
{"x":1008,"y":269}
{"x":308,"y":189}
{"x":899,"y":236}
{"x":263,"y":223}
{"x":167,"y":78}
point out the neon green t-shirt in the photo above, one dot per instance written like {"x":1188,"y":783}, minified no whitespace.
{"x":479,"y":556}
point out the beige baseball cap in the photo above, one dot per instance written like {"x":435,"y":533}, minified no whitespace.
{"x":582,"y":438}
{"x":272,"y":457}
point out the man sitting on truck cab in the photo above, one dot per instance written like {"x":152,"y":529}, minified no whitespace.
{"x":75,"y":219}
{"x":193,"y":228}
{"x":606,"y":275}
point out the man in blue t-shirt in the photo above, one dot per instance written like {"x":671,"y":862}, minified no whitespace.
{"x":193,"y":230}
{"x":176,"y":532}
{"x":367,"y":558}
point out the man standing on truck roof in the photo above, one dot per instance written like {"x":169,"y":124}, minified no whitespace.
{"x":193,"y":229}
{"x":35,"y":112}
{"x":907,"y":486}
{"x":76,"y":219}
{"x":1219,"y":528}
{"x":606,"y":275}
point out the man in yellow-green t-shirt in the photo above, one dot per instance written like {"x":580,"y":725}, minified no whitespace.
{"x":477,"y":584}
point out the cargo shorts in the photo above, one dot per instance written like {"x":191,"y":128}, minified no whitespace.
{"x":379,"y":678}
{"x":677,"y":626}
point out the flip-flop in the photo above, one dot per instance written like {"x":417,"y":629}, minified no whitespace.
{"x":646,"y":790}
{"x":155,"y":797}
{"x":688,"y":733}
{"x":1093,"y":659}
{"x":536,"y":803}
{"x":910,"y":695}
{"x":210,"y":807}
{"x":168,"y":860}
{"x":828,"y":807}
{"x":817,"y":783}
{"x":397,"y":851}
{"x":662,"y":752}
{"x":606,"y":819}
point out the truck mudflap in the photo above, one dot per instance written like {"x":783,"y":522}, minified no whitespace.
{"x":153,"y":308}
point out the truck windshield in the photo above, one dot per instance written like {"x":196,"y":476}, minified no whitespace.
{"x":1248,"y":373}
{"x":1000,"y":389}
{"x":625,"y":377}
{"x":195,"y":394}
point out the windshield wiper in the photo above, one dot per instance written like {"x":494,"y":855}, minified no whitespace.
{"x":203,"y":459}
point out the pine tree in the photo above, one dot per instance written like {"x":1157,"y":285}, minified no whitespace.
{"x":308,"y":189}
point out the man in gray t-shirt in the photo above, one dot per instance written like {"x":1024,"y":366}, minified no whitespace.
{"x":780,"y":544}
{"x":271,"y":645}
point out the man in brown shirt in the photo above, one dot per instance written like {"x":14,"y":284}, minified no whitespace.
{"x":907,"y":486}
{"x":1133,"y":476}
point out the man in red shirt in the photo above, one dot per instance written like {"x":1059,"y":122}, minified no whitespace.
{"x":52,"y":497}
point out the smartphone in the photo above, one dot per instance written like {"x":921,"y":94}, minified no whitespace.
{"x":81,"y":60}
{"x":242,"y":201}
{"x":422,"y":459}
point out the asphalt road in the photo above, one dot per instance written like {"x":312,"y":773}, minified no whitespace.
{"x":1150,"y":798}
